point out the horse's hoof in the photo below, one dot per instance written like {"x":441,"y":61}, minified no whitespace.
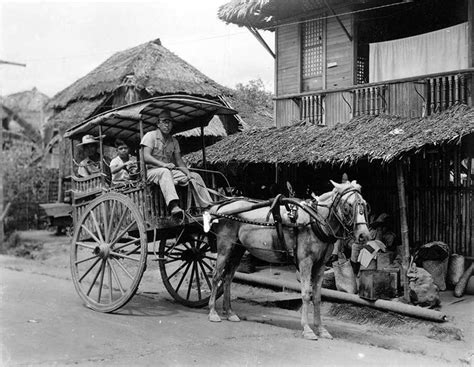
{"x":309,"y":335}
{"x":214,"y":318}
{"x":323,"y":333}
{"x":233,"y":318}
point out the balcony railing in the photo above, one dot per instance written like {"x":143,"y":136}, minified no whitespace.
{"x":409,"y":97}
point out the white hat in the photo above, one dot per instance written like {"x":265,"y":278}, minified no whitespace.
{"x":88,"y":139}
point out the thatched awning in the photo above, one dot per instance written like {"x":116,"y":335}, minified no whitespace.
{"x":267,"y":14}
{"x":381,"y":138}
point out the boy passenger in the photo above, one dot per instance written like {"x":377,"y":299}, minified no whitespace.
{"x":123,"y":164}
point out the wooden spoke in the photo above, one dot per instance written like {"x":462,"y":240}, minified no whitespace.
{"x":118,"y":254}
{"x":84,"y":260}
{"x":122,"y":267}
{"x":177,"y":270}
{"x":83,"y":244}
{"x":90,"y":233}
{"x":94,"y":280}
{"x":207,"y":265}
{"x":124,"y":214}
{"x":191,"y":281}
{"x":109,"y":273}
{"x":172,"y":261}
{"x":209,"y":284}
{"x":210,"y":258}
{"x":183,"y":277}
{"x":111,"y":219}
{"x":106,"y":222}
{"x":198,"y":282}
{"x":88,"y":270}
{"x":97,"y":228}
{"x":117,"y":279}
{"x":132,"y":242}
{"x":121,"y":234}
{"x":101,"y":281}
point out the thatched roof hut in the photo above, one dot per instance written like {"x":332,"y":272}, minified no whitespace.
{"x":138,"y":73}
{"x":28,"y":112}
{"x":380,"y":138}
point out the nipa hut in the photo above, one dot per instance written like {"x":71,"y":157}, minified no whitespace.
{"x":435,"y":156}
{"x":138,"y":73}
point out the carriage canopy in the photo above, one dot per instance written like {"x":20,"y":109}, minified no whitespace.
{"x":188,"y":113}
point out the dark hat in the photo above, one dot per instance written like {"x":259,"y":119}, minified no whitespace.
{"x":165,"y":114}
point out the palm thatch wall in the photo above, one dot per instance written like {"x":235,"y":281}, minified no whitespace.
{"x":380,"y":138}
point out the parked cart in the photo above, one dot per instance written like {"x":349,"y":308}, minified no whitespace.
{"x":117,"y":226}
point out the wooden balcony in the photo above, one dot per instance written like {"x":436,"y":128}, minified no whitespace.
{"x":409,"y":97}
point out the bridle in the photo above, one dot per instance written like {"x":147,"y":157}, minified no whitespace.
{"x":345,"y":212}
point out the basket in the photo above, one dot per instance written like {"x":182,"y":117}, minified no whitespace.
{"x":455,"y":268}
{"x":438,"y":270}
{"x":344,"y":276}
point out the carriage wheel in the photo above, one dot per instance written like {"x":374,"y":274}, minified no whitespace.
{"x":108,"y":252}
{"x":186,"y":268}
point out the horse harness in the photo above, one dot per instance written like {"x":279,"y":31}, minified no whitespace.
{"x":292,"y":205}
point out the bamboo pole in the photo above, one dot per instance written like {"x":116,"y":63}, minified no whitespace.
{"x":404,"y":228}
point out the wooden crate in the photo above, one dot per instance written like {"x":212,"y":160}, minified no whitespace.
{"x":378,"y":284}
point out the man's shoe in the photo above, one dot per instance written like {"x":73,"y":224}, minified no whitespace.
{"x":177,"y":212}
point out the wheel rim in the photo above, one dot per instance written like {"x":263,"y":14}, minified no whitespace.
{"x":109,"y":251}
{"x":186,"y":268}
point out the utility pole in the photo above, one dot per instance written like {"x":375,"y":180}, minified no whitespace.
{"x":3,"y":211}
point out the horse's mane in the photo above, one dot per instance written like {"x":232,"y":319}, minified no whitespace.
{"x":338,"y":188}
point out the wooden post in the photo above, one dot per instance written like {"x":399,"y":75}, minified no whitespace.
{"x":404,"y":228}
{"x":2,"y":159}
{"x":470,"y":46}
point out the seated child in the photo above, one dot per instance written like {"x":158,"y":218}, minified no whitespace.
{"x":91,"y":163}
{"x":124,"y":164}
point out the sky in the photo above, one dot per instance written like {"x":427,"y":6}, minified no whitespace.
{"x":61,"y":41}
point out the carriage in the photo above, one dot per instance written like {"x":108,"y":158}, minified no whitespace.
{"x":116,"y":227}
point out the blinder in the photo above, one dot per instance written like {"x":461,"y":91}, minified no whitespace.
{"x":346,"y":212}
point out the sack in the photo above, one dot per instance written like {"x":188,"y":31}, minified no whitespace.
{"x":438,"y":270}
{"x":455,"y":268}
{"x":344,"y":276}
{"x":422,"y":289}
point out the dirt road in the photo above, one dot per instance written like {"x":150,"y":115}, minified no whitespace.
{"x":44,"y":323}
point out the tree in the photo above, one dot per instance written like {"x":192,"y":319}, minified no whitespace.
{"x":254,"y":94}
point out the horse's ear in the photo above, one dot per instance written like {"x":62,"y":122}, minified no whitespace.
{"x":291,"y":192}
{"x":335,"y":184}
{"x":356,"y":185}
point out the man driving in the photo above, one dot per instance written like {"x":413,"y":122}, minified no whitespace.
{"x":166,"y":167}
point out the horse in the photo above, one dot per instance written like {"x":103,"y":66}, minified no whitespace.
{"x":306,"y":231}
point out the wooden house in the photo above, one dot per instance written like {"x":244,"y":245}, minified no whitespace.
{"x":335,"y":59}
{"x":381,"y":90}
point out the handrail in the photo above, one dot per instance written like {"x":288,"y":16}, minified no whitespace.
{"x":211,"y":171}
{"x":84,"y":179}
{"x":368,"y":85}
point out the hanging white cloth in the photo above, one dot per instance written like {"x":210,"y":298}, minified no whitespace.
{"x":434,"y":52}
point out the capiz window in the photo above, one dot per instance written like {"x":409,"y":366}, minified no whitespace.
{"x":312,"y":48}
